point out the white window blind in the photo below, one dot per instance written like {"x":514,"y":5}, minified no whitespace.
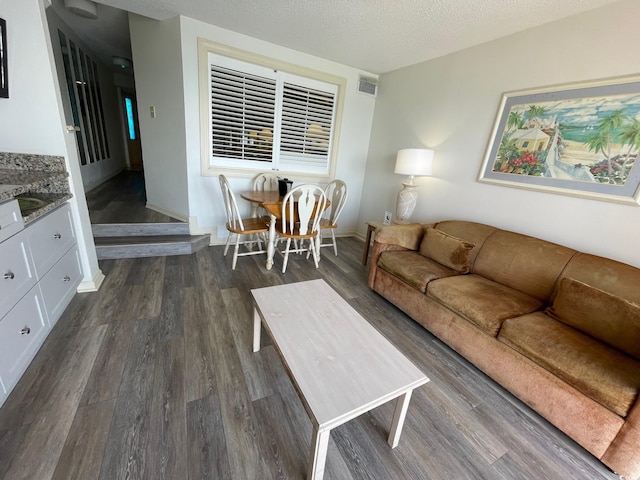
{"x":242,"y":115}
{"x":307,"y":118}
{"x":266,"y":119}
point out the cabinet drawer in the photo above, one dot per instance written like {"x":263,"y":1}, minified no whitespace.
{"x":59,"y":284}
{"x":50,"y":237}
{"x":17,"y":275}
{"x":22,"y":331}
{"x":11,"y":221}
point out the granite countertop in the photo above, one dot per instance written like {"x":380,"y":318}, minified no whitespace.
{"x":39,"y":183}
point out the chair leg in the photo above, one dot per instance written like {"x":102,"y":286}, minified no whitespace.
{"x":226,"y":245}
{"x":235,"y":253}
{"x":314,"y":249}
{"x":286,"y":256}
{"x":335,"y":245}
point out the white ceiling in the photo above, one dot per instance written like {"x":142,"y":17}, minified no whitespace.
{"x":373,"y":35}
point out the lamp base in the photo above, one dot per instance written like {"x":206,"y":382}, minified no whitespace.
{"x":406,"y":203}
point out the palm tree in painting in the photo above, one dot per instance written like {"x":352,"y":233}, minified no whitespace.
{"x":535,"y":111}
{"x":515,"y":121}
{"x":603,"y":138}
{"x":631,"y":136}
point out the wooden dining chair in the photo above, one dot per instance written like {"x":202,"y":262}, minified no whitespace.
{"x":302,"y":209}
{"x":263,"y":182}
{"x":238,"y":226}
{"x":336,"y":192}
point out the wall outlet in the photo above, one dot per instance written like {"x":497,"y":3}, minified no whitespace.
{"x":387,"y":218}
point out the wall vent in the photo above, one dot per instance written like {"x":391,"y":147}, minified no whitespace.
{"x":368,"y":86}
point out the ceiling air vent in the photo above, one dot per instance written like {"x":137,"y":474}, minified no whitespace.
{"x":368,"y":86}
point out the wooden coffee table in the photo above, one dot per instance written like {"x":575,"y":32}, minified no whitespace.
{"x":339,"y":364}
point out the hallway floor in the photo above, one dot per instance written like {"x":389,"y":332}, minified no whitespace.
{"x":122,"y":199}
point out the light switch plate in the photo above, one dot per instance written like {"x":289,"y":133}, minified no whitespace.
{"x":387,"y":218}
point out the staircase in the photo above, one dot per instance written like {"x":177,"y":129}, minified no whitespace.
{"x":133,"y":240}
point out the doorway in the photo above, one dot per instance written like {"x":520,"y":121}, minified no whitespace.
{"x":134,"y":147}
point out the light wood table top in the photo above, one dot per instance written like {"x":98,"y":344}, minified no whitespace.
{"x":340,"y":365}
{"x":271,"y":201}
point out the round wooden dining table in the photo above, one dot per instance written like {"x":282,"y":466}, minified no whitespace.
{"x":271,"y":201}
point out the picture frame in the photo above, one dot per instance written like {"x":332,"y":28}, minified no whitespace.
{"x":579,"y":139}
{"x":4,"y":67}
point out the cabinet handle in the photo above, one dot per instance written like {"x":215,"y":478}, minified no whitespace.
{"x":9,"y":276}
{"x":57,"y":236}
{"x":25,"y":331}
{"x":67,"y":278}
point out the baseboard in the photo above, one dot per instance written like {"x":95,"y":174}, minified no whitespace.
{"x":87,"y":188}
{"x":92,"y":285}
{"x":164,"y":211}
{"x":212,"y":231}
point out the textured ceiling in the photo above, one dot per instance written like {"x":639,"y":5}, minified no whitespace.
{"x":373,"y":35}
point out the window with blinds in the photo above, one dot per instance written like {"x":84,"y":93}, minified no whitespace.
{"x":262,"y":118}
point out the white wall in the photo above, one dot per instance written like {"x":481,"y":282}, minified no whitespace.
{"x":158,"y":77}
{"x":450,"y":103}
{"x":32,"y":120}
{"x":29,"y":118}
{"x":205,"y":200}
{"x":168,"y":79}
{"x":93,"y":174}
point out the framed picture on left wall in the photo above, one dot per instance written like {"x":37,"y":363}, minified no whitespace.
{"x":4,"y":82}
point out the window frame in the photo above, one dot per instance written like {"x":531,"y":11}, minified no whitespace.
{"x":205,"y":47}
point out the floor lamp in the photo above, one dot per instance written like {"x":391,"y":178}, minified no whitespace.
{"x":412,"y":162}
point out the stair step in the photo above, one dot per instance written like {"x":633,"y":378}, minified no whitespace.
{"x":149,"y":246}
{"x":139,"y":229}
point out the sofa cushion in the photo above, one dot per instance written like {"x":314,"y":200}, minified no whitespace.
{"x":602,"y":315}
{"x":413,"y":268}
{"x":446,"y":249}
{"x":604,"y":374}
{"x":485,"y":303}
{"x":469,"y":231}
{"x":527,"y":264}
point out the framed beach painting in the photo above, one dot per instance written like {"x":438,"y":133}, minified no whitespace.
{"x":578,"y":139}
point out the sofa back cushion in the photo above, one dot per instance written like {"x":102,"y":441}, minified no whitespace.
{"x":599,"y":314}
{"x":614,"y":277}
{"x":476,"y":233}
{"x":527,"y":264}
{"x":447,"y":250}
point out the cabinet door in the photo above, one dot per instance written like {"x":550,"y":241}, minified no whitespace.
{"x":17,"y":274}
{"x":11,"y":221}
{"x":59,"y":284}
{"x":22,"y":331}
{"x":50,"y":237}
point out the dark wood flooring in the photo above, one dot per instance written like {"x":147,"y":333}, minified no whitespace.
{"x":122,"y":199}
{"x":153,"y":377}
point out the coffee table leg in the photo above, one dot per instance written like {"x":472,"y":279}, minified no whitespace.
{"x":319,"y":446}
{"x":257,"y":324}
{"x":402,"y":405}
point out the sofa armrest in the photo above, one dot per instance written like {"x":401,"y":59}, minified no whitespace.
{"x":394,"y":237}
{"x":407,"y":236}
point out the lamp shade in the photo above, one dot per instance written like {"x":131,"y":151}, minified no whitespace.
{"x":414,"y":161}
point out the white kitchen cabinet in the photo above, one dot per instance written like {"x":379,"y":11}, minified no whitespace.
{"x":59,"y":284}
{"x":10,"y":219}
{"x":42,"y":270}
{"x":50,"y":237}
{"x":17,"y":272}
{"x":22,"y":331}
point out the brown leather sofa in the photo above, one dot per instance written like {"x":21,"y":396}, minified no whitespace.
{"x":558,"y":328}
